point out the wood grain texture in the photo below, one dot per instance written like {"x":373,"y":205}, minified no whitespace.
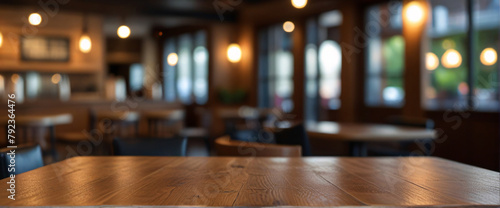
{"x":252,"y":181}
{"x":366,"y":132}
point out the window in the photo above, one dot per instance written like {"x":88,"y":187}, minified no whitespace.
{"x":275,"y":69}
{"x":446,"y":62}
{"x":446,"y":83}
{"x":186,"y":80}
{"x":323,"y":63}
{"x":385,"y":56}
{"x":136,"y":77}
{"x":487,"y":29}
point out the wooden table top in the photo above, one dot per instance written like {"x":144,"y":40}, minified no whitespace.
{"x":171,"y":114}
{"x":250,"y":181}
{"x":44,"y":119}
{"x":366,"y":132}
{"x":118,"y":115}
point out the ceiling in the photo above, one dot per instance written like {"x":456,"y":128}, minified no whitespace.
{"x":201,"y":9}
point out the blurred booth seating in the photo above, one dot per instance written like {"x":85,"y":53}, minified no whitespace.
{"x":28,"y":157}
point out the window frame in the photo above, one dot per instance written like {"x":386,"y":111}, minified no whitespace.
{"x":175,"y":33}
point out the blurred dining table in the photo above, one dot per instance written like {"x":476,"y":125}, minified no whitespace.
{"x":253,"y":181}
{"x":40,"y":121}
{"x":359,"y":134}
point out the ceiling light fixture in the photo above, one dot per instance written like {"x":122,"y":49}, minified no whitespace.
{"x":85,"y":41}
{"x":172,"y":59}
{"x":35,"y":19}
{"x":414,"y":12}
{"x":299,"y":4}
{"x":288,"y":26}
{"x":234,"y":53}
{"x":489,"y":57}
{"x":123,"y":31}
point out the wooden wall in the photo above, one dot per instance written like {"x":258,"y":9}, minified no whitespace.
{"x":13,"y":24}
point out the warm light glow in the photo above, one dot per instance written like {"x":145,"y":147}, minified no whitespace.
{"x":414,"y":12}
{"x":489,"y":56}
{"x":451,"y":59}
{"x":123,"y":31}
{"x":172,"y":59}
{"x":1,"y":39}
{"x":85,"y":44}
{"x":299,"y":4}
{"x":35,"y":19}
{"x":288,"y":26}
{"x":14,"y":78}
{"x":234,"y":53}
{"x":56,"y":78}
{"x":431,"y":61}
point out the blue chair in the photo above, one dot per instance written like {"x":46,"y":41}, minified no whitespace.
{"x":28,"y":157}
{"x":150,"y":146}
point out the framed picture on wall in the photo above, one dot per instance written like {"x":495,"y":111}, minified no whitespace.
{"x":53,"y":49}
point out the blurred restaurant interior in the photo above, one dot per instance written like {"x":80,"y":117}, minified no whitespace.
{"x":272,"y":78}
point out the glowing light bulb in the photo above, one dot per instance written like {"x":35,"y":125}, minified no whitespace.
{"x":14,"y":78}
{"x":489,"y":57}
{"x":288,"y":26}
{"x":56,"y":78}
{"x":85,"y":44}
{"x":123,"y":31}
{"x":172,"y":59}
{"x":414,"y":12}
{"x":299,"y":4}
{"x":35,"y":19}
{"x":1,"y":39}
{"x":234,"y":53}
{"x":451,"y":59}
{"x":431,"y":61}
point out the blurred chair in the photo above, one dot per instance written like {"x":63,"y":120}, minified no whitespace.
{"x":202,"y":132}
{"x":28,"y":157}
{"x":150,"y":146}
{"x":402,"y":148}
{"x":74,"y":138}
{"x":224,"y":146}
{"x":165,"y":123}
{"x":117,"y":123}
{"x":294,"y":135}
{"x":243,"y":118}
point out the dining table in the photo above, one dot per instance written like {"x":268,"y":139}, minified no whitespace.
{"x":255,"y":181}
{"x":358,"y":135}
{"x":46,"y":120}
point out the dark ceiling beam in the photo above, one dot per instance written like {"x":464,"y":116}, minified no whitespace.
{"x":131,"y":8}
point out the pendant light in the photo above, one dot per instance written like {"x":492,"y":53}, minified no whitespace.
{"x":123,"y":31}
{"x":85,"y":41}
